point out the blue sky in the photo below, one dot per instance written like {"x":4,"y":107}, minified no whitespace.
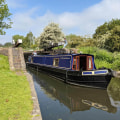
{"x":80,"y":17}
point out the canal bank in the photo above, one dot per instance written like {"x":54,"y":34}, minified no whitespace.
{"x":17,"y":65}
{"x":36,"y":113}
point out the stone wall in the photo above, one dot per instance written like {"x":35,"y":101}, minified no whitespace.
{"x":16,"y":58}
{"x":4,"y":51}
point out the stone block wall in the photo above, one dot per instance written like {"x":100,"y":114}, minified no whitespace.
{"x":4,"y":51}
{"x":16,"y":58}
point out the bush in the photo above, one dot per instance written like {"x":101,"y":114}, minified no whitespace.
{"x":102,"y":63}
{"x":100,"y":54}
{"x":103,"y":58}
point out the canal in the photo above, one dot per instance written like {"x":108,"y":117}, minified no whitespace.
{"x":60,"y":101}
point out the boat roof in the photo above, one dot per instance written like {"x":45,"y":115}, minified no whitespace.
{"x":68,"y":54}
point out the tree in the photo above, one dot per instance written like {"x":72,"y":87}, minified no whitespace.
{"x":101,"y":39}
{"x":28,"y":41}
{"x":16,"y":37}
{"x":5,"y":21}
{"x":8,"y":44}
{"x":108,"y":35}
{"x":51,"y":34}
{"x":74,"y":40}
{"x":112,"y":43}
{"x":106,"y":27}
{"x":37,"y":42}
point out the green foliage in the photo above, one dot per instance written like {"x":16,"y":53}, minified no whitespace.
{"x":116,"y":63}
{"x":15,"y":94}
{"x":27,"y":42}
{"x":107,"y":26}
{"x":102,"y":63}
{"x":79,"y":41}
{"x":100,"y":54}
{"x":103,"y":58}
{"x":74,"y":40}
{"x":16,"y":37}
{"x":52,"y":34}
{"x":5,"y":21}
{"x":8,"y":44}
{"x":112,"y":43}
{"x":108,"y":35}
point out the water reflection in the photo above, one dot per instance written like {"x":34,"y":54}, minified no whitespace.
{"x":75,"y":98}
{"x":114,"y":92}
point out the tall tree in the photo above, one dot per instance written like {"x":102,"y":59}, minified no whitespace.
{"x":5,"y":21}
{"x":112,"y":43}
{"x":74,"y":40}
{"x":106,"y":27}
{"x":108,"y":35}
{"x":52,"y":34}
{"x":28,"y":40}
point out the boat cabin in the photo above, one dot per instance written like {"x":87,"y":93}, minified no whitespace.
{"x":75,"y":62}
{"x":83,"y":62}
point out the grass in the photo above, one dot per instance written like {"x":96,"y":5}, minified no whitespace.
{"x":15,"y":94}
{"x":103,"y":58}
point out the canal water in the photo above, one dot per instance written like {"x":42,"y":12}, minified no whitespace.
{"x":60,"y":101}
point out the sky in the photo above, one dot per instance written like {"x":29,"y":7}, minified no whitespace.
{"x":80,"y":17}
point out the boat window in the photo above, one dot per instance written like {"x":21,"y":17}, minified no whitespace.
{"x":90,"y":63}
{"x":74,"y":63}
{"x":56,"y":62}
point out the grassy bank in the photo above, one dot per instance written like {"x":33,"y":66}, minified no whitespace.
{"x":15,"y":95}
{"x":103,"y":58}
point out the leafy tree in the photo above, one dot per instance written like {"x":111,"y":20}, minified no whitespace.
{"x":5,"y":21}
{"x":108,"y":35}
{"x":28,"y":41}
{"x":106,"y":27}
{"x":101,"y":39}
{"x":51,"y":34}
{"x":79,"y":41}
{"x":74,"y":40}
{"x":8,"y":44}
{"x":16,"y":37}
{"x":37,"y":42}
{"x":112,"y":43}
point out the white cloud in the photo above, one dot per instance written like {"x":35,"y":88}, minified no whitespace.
{"x":83,"y":23}
{"x":15,"y":4}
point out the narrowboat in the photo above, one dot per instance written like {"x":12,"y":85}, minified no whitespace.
{"x":76,"y":69}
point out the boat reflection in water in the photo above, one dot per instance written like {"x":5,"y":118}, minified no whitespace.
{"x":75,"y":98}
